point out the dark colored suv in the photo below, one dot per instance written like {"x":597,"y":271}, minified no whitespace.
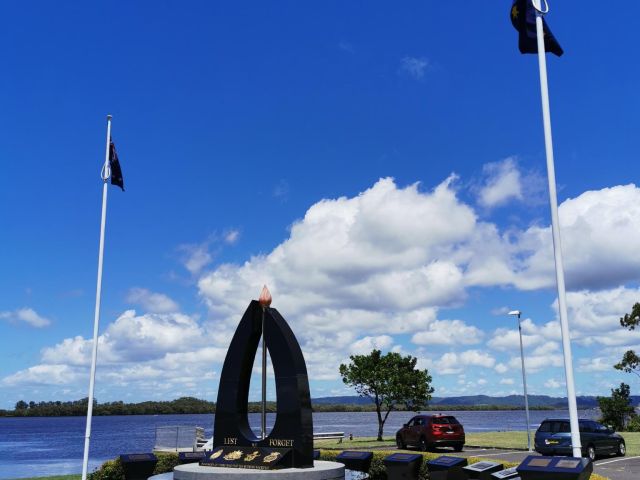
{"x":430,"y":431}
{"x":554,"y":437}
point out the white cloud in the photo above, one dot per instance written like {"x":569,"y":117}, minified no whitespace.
{"x":448,"y":332}
{"x":501,"y":368}
{"x":553,"y":383}
{"x":414,"y":66}
{"x":506,"y":381}
{"x":376,"y":269}
{"x":502,"y":183}
{"x":367,"y":344}
{"x":231,"y":236}
{"x":195,"y":257}
{"x":151,"y":301}
{"x":26,"y":315}
{"x":600,"y":233}
{"x":42,"y":375}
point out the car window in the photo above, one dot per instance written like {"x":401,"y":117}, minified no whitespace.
{"x":564,"y":427}
{"x":411,"y":422}
{"x":545,"y":427}
{"x":445,"y":420}
{"x":600,"y":428}
{"x":585,"y":427}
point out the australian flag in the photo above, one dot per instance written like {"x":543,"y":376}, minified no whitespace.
{"x":523,"y":17}
{"x":114,"y":163}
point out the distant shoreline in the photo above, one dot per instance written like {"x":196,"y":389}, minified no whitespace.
{"x":192,"y":406}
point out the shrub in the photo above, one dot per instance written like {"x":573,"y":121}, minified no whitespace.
{"x":109,"y":470}
{"x":634,"y":424}
{"x":112,"y":469}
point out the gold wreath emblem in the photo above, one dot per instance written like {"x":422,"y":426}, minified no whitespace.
{"x":272,"y":457}
{"x":252,"y":456}
{"x":235,"y":455}
{"x":215,"y":455}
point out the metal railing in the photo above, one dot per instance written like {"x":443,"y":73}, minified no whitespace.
{"x":178,"y":438}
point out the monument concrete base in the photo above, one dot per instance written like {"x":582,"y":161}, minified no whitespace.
{"x":321,"y":470}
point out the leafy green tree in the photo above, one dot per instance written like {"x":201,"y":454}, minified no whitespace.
{"x":617,"y":408}
{"x":21,"y":405}
{"x":390,"y":381}
{"x":630,"y":362}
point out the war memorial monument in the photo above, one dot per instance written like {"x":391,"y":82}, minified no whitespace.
{"x":287,"y":451}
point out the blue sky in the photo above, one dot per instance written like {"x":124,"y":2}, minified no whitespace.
{"x":381,"y":167}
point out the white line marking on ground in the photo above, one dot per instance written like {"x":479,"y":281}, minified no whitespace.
{"x":479,"y":449}
{"x":616,"y":460}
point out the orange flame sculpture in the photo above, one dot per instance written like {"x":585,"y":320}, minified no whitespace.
{"x":265,"y":297}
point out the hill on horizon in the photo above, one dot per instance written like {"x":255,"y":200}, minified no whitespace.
{"x":535,"y":401}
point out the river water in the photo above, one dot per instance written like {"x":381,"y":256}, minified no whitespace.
{"x":41,"y":446}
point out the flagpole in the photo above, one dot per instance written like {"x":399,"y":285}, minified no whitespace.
{"x":555,"y":228}
{"x":106,"y":173}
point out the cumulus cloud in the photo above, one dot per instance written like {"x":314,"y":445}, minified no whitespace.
{"x":151,"y":301}
{"x":502,"y":183}
{"x":501,"y":368}
{"x":600,"y":233}
{"x":43,"y":375}
{"x":378,"y":268}
{"x":448,"y":332}
{"x":366,"y":344}
{"x":25,"y":315}
{"x":195,"y":256}
{"x":553,"y":383}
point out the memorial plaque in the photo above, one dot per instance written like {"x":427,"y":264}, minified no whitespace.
{"x":190,"y":457}
{"x":447,"y":468}
{"x":251,"y":458}
{"x":403,"y":466}
{"x":292,"y":433}
{"x":482,"y":470}
{"x":138,"y":466}
{"x":358,"y":461}
{"x":507,"y":473}
{"x":555,"y":468}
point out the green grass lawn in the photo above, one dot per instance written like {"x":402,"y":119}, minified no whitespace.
{"x":357,"y":442}
{"x":486,"y":439}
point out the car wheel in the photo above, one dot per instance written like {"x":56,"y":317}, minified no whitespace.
{"x":424,"y":446}
{"x":622,"y":449}
{"x":591,"y":452}
{"x":400,"y":443}
{"x":458,"y":447}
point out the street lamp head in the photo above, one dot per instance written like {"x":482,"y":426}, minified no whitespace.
{"x":515,"y":312}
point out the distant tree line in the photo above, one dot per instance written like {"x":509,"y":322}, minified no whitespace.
{"x":191,"y":405}
{"x":79,"y":408}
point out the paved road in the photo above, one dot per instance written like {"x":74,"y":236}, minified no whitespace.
{"x":615,"y":468}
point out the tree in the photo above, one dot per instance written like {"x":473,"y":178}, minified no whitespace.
{"x":390,"y":381}
{"x":617,"y":408}
{"x":21,"y":405}
{"x":630,"y":362}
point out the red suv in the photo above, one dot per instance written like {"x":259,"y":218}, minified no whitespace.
{"x":430,"y":431}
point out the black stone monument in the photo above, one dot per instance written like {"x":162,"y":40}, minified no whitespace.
{"x":290,"y":443}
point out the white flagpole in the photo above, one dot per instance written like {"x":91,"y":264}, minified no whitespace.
{"x":106,"y":173}
{"x":555,"y":228}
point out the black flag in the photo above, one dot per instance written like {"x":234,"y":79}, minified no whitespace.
{"x":523,"y":17}
{"x":114,"y":163}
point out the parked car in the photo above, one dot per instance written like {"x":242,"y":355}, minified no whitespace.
{"x":553,"y":437}
{"x":431,"y":431}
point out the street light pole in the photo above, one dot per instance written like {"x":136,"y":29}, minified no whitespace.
{"x":517,"y":313}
